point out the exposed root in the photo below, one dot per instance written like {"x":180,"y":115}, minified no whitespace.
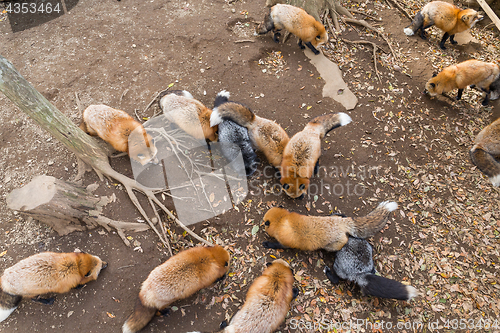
{"x":401,"y":8}
{"x":365,"y":24}
{"x":375,"y":47}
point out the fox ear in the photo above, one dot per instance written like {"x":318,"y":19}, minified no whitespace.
{"x":433,"y":85}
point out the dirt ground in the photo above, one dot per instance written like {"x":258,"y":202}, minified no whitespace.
{"x":401,"y":146}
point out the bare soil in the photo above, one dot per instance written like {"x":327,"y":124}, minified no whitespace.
{"x":401,"y":146}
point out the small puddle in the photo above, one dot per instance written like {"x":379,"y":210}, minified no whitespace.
{"x":335,"y":87}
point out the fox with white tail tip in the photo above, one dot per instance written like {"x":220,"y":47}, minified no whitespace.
{"x":310,"y":233}
{"x":354,"y":263}
{"x":301,"y":154}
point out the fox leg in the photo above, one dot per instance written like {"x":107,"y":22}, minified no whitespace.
{"x":301,"y":45}
{"x":452,"y":39}
{"x":331,"y":275}
{"x":273,"y":245}
{"x":46,"y":301}
{"x":443,"y":40}
{"x":316,"y":168}
{"x":164,"y":311}
{"x":459,"y":94}
{"x":295,"y":293}
{"x":309,"y":45}
{"x":221,"y":278}
{"x":276,"y":34}
{"x":486,"y":98}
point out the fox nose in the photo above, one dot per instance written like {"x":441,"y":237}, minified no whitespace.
{"x":104,"y":265}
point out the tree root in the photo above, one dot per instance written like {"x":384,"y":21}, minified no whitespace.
{"x":375,"y":47}
{"x":365,"y":24}
{"x":401,"y":8}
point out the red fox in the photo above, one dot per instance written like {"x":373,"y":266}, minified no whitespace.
{"x":468,"y":73}
{"x":302,"y":153}
{"x":179,"y":277}
{"x":267,"y":302}
{"x":485,"y":153}
{"x":180,"y":107}
{"x":266,"y":135}
{"x":296,"y":21}
{"x":310,"y":233}
{"x":44,"y":273}
{"x":446,"y":17}
{"x":120,"y":130}
{"x":354,"y":262}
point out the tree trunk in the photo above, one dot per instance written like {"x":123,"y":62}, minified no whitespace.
{"x":31,"y":102}
{"x":63,"y":206}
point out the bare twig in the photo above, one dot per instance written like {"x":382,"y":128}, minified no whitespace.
{"x":401,"y":8}
{"x":365,"y":14}
{"x":370,"y":27}
{"x":154,"y":99}
{"x":374,"y":53}
{"x":244,"y":41}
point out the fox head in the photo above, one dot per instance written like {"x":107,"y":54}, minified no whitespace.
{"x":141,"y":146}
{"x":295,"y":187}
{"x":272,"y":220}
{"x":221,"y":256}
{"x":469,"y":17}
{"x":89,"y":266}
{"x":321,"y":36}
{"x":433,"y":86}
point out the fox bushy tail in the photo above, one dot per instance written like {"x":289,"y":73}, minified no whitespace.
{"x":369,"y":225}
{"x":379,"y":286}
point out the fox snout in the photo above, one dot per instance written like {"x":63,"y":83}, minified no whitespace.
{"x":104,"y":265}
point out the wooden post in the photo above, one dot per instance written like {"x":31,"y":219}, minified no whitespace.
{"x":491,"y":14}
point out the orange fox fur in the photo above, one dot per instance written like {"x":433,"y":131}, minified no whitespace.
{"x":179,"y":277}
{"x":446,"y":17}
{"x":267,"y":301}
{"x":44,"y":273}
{"x":309,"y":233}
{"x":302,"y":153}
{"x":459,"y":76}
{"x":266,"y":135}
{"x":180,"y":107}
{"x":120,"y":130}
{"x":296,"y":21}
{"x":485,"y":153}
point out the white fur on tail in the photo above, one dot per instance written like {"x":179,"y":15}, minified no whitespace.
{"x":495,"y":180}
{"x":412,"y":292}
{"x":344,"y":118}
{"x":215,"y":118}
{"x":4,"y":313}
{"x":408,"y":32}
{"x":187,"y":94}
{"x":224,"y":93}
{"x":389,"y":205}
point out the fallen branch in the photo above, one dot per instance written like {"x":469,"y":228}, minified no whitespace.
{"x":365,"y":14}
